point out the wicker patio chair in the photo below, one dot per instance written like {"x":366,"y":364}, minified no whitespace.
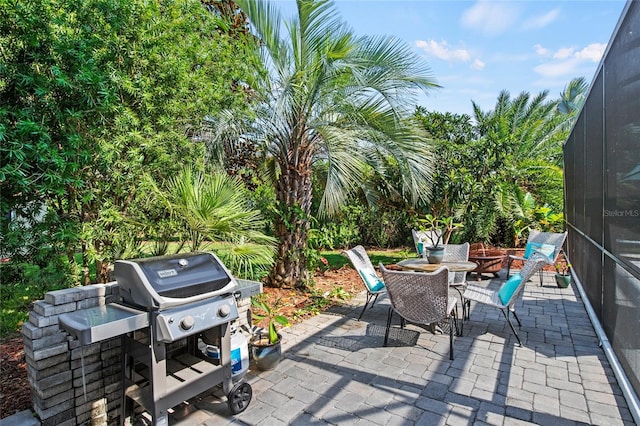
{"x":458,"y":280}
{"x":505,"y":298}
{"x":420,"y":298}
{"x":361,"y":263}
{"x":548,"y":243}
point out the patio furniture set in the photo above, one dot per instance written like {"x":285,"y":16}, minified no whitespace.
{"x":418,"y":290}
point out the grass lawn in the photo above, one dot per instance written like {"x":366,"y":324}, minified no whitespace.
{"x":386,"y":256}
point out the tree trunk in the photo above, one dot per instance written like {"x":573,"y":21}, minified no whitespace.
{"x":293,"y":195}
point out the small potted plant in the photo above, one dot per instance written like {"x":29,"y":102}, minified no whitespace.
{"x":266,"y":344}
{"x":563,"y":274}
{"x":437,"y":232}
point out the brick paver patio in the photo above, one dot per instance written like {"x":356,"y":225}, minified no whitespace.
{"x":335,"y":371}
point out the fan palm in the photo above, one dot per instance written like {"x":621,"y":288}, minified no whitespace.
{"x":327,"y":95}
{"x":212,"y":208}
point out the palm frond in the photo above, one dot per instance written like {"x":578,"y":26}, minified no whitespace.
{"x":212,"y":207}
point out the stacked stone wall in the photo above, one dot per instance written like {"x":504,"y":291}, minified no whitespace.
{"x":61,"y":395}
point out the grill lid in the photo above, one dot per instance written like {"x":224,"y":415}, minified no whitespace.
{"x":166,"y":281}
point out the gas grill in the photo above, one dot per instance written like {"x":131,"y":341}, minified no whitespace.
{"x":168,"y":306}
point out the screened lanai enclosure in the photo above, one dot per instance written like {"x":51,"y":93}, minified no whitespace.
{"x":602,"y":199}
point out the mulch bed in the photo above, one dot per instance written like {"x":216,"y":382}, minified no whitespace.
{"x":15,"y":394}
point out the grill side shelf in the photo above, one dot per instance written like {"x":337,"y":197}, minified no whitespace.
{"x":247,"y":288}
{"x":100,"y":323}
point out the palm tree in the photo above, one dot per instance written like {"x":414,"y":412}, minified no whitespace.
{"x":212,"y":207}
{"x":327,"y":95}
{"x":573,"y":96}
{"x":519,"y":151}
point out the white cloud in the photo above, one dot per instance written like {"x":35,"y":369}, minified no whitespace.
{"x":541,"y":51}
{"x":556,"y":69}
{"x":592,"y":52}
{"x":567,"y":60}
{"x":541,"y":21}
{"x":478,"y":65}
{"x":564,"y":53}
{"x":490,"y":18}
{"x":442,"y":51}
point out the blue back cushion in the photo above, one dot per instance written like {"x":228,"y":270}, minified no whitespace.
{"x":371,"y":280}
{"x":507,"y":289}
{"x":547,"y":249}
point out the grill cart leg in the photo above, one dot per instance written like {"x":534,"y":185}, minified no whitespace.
{"x":225,"y":357}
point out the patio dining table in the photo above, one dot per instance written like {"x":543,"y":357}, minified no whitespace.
{"x":423,"y":265}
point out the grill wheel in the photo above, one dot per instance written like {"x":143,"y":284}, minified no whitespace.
{"x":239,"y":397}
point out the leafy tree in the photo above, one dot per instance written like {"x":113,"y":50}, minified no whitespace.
{"x":499,"y":175}
{"x":95,"y":95}
{"x":327,"y":95}
{"x":376,"y":215}
{"x":452,"y":135}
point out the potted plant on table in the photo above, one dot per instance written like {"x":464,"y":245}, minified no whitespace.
{"x":563,"y":274}
{"x":437,"y":232}
{"x":266,"y":344}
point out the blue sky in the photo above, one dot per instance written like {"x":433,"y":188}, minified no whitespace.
{"x":475,"y":49}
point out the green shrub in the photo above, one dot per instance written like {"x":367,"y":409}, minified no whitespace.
{"x":23,"y":283}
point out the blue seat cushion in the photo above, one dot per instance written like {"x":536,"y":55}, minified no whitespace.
{"x":371,"y":280}
{"x":507,"y":289}
{"x":548,"y":250}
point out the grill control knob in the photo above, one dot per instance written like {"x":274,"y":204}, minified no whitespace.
{"x":187,"y":322}
{"x":224,"y":311}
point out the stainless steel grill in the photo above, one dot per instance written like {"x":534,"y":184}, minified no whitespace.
{"x":167,"y":305}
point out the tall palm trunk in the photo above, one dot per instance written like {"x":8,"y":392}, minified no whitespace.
{"x":293,"y":195}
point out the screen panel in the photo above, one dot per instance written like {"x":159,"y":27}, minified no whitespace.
{"x":621,"y":300}
{"x":622,"y":142}
{"x":602,"y":193}
{"x":594,"y":186}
